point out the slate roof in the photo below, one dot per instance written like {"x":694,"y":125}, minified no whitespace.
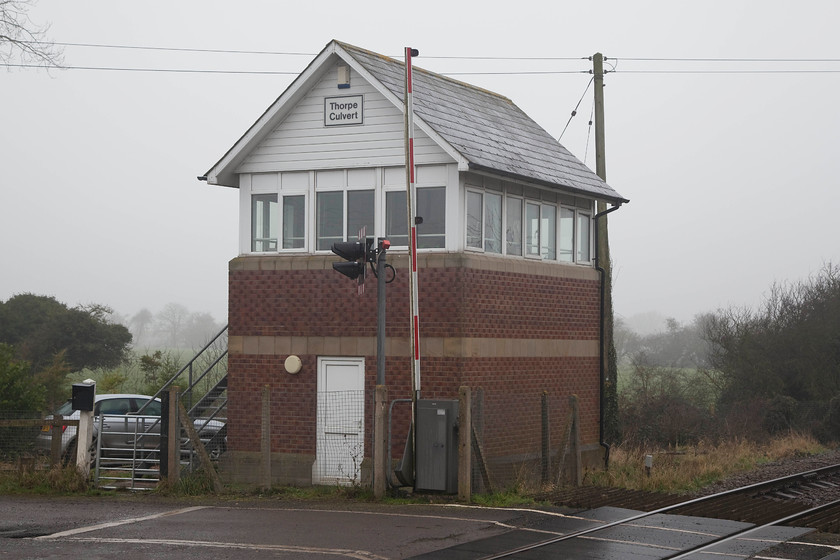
{"x":487,"y":129}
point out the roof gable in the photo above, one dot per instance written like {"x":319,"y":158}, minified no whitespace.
{"x":481,"y":130}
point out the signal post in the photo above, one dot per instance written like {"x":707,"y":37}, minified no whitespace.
{"x":357,"y":255}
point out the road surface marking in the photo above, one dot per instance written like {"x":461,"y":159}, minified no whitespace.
{"x":99,"y":526}
{"x":355,"y":554}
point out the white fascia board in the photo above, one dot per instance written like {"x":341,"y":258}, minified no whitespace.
{"x":463,"y":164}
{"x":223,"y":173}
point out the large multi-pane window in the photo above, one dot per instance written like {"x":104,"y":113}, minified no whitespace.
{"x":431,"y":207}
{"x":333,"y":224}
{"x":557,"y":228}
{"x":336,"y":224}
{"x":263,"y":223}
{"x":502,"y":219}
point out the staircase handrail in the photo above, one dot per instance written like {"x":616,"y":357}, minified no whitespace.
{"x":187,"y":366}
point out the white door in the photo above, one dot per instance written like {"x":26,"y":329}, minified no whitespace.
{"x":341,"y":428}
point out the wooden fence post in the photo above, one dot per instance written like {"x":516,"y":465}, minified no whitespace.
{"x":574,"y":442}
{"x":55,"y":440}
{"x":173,"y":450}
{"x":545,"y":449}
{"x":265,"y":439}
{"x":380,"y":441}
{"x":464,"y":444}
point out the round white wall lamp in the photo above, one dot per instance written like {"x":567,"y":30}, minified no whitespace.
{"x":293,"y":364}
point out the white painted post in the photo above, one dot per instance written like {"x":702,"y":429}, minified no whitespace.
{"x":84,"y":435}
{"x":84,"y":439}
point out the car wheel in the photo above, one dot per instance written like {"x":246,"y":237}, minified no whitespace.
{"x":69,"y":457}
{"x":217,"y":451}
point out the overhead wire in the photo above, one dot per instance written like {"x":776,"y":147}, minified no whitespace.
{"x":157,"y":70}
{"x":676,"y":71}
{"x":574,"y":111}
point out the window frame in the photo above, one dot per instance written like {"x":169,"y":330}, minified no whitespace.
{"x":319,"y":195}
{"x":400,"y":210}
{"x":481,"y":219}
{"x":543,"y":242}
{"x":282,"y":229}
{"x":271,"y":216}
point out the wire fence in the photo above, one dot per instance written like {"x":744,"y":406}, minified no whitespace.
{"x":341,"y":437}
{"x":25,"y":440}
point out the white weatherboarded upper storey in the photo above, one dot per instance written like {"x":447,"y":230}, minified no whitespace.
{"x":454,"y":123}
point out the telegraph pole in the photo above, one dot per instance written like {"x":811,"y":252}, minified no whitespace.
{"x":609,"y":401}
{"x":600,"y":155}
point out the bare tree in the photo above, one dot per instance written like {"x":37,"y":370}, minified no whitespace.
{"x":22,"y":41}
{"x":172,"y":320}
{"x":139,"y":325}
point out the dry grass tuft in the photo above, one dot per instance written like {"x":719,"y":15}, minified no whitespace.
{"x":689,"y":469}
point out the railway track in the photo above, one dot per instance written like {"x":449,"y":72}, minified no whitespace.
{"x":808,"y":499}
{"x":757,"y":503}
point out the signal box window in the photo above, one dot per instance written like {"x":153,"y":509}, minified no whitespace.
{"x":294,"y":222}
{"x":329,"y":219}
{"x":263,"y":223}
{"x":360,"y":209}
{"x":431,"y":206}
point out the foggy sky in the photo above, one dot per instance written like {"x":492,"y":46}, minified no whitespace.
{"x":732,"y":177}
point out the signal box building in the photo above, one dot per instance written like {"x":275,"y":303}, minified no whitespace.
{"x":509,"y":296}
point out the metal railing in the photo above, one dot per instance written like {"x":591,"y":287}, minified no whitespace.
{"x":208,"y":380}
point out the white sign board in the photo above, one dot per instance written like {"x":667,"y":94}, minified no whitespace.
{"x":344,"y":110}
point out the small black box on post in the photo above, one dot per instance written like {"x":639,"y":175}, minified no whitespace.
{"x":82,"y":396}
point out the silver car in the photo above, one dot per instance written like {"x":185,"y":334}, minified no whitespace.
{"x":123,"y":429}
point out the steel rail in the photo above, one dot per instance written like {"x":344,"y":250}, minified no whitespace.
{"x":742,"y":489}
{"x":740,"y":533}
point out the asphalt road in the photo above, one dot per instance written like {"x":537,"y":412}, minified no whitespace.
{"x":159,"y":528}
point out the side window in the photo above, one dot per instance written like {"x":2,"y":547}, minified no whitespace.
{"x":263,"y":223}
{"x":548,"y":232}
{"x":513,"y":231}
{"x":152,"y":410}
{"x":431,"y":206}
{"x":112,"y":406}
{"x":567,"y":235}
{"x":584,"y":248}
{"x":396,"y":228}
{"x":532,"y":229}
{"x":493,"y":223}
{"x":475,"y":216}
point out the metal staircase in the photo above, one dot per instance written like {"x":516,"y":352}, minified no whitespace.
{"x":203,"y":382}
